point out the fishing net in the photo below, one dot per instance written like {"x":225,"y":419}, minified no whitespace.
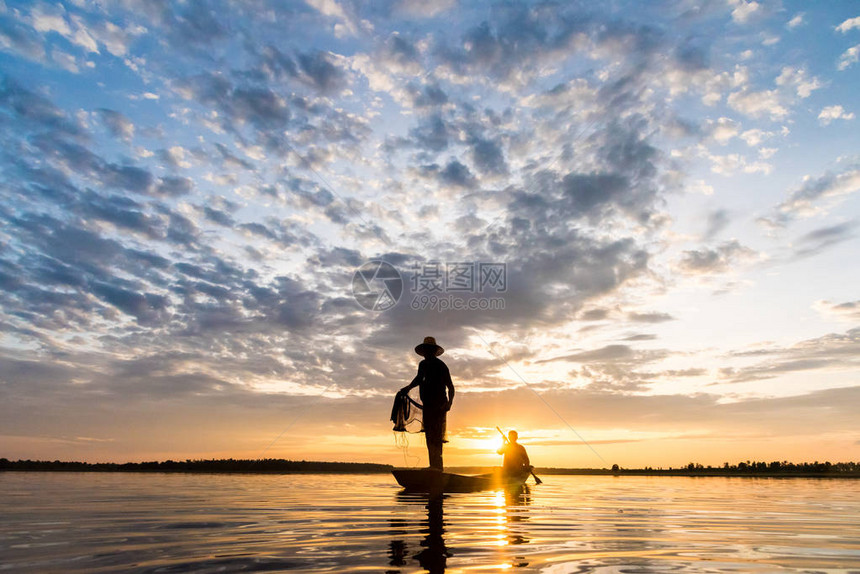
{"x":405,"y":414}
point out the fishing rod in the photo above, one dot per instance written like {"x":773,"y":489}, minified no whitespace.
{"x":531,"y":468}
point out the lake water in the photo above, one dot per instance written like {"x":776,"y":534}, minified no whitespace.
{"x":95,"y":522}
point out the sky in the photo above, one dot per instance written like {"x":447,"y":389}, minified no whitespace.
{"x":633,"y":226}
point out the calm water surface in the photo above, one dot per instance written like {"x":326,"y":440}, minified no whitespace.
{"x":94,"y":522}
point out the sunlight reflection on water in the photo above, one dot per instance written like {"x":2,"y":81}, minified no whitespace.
{"x":92,"y":522}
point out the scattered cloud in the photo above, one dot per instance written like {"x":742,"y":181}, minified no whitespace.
{"x":724,"y":129}
{"x":718,"y":220}
{"x":797,"y":79}
{"x":721,"y":259}
{"x":743,"y":11}
{"x":831,"y":113}
{"x":754,"y":137}
{"x":425,"y":9}
{"x":835,"y":351}
{"x":654,"y":317}
{"x":848,"y":24}
{"x":848,"y":58}
{"x":757,"y":104}
{"x":120,"y":126}
{"x":805,"y":201}
{"x":796,"y":21}
{"x":819,"y":239}
{"x":847,"y":311}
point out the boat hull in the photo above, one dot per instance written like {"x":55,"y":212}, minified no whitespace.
{"x":431,"y":480}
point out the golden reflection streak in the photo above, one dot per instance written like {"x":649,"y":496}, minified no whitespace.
{"x":500,"y":519}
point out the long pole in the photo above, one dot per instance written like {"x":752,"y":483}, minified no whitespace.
{"x":505,"y":438}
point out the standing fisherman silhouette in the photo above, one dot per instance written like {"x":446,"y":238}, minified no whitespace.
{"x":437,"y":395}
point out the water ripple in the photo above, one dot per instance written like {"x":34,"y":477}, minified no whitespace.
{"x":153,"y":523}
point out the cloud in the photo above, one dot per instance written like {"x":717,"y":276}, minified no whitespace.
{"x":725,"y":129}
{"x":847,"y":311}
{"x":835,"y":351}
{"x":654,"y":317}
{"x":518,"y":37}
{"x":830,"y":113}
{"x":744,"y":10}
{"x":640,"y":337}
{"x":424,"y":96}
{"x":721,"y":259}
{"x":318,"y":70}
{"x":755,"y":136}
{"x":147,"y":308}
{"x":796,"y":21}
{"x":195,"y":24}
{"x":820,"y":239}
{"x":424,"y":9}
{"x":346,"y":24}
{"x":734,"y":163}
{"x":36,"y":112}
{"x":594,"y":315}
{"x":848,"y":58}
{"x":171,"y":186}
{"x":802,"y":202}
{"x":617,"y":368}
{"x":53,"y":21}
{"x":487,"y":156}
{"x":120,"y":126}
{"x":430,"y":134}
{"x":718,"y":220}
{"x":604,"y":354}
{"x":21,"y":40}
{"x":454,"y":174}
{"x":758,"y":104}
{"x":848,"y":24}
{"x":797,"y":79}
{"x":65,"y":61}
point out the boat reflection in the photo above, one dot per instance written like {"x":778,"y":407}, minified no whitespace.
{"x":433,"y":553}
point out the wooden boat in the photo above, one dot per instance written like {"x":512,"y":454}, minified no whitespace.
{"x":432,"y":480}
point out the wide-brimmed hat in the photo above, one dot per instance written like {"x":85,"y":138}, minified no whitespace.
{"x":428,"y":344}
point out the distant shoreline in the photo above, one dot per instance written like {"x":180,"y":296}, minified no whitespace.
{"x":282,"y":466}
{"x":221,"y":466}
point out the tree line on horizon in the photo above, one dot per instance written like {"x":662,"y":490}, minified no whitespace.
{"x":188,"y":465}
{"x":758,"y":467}
{"x":277,"y":465}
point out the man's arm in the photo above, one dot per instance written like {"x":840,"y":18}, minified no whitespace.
{"x":416,"y":381}
{"x":450,"y":384}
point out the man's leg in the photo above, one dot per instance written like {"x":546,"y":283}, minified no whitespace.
{"x":434,"y":450}
{"x":434,"y":432}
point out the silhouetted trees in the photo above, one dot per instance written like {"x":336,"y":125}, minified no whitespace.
{"x":222,"y":465}
{"x":755,"y":468}
{"x":273,"y":465}
{"x":746,"y":468}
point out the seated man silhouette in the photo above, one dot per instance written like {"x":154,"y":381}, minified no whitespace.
{"x":516,"y":459}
